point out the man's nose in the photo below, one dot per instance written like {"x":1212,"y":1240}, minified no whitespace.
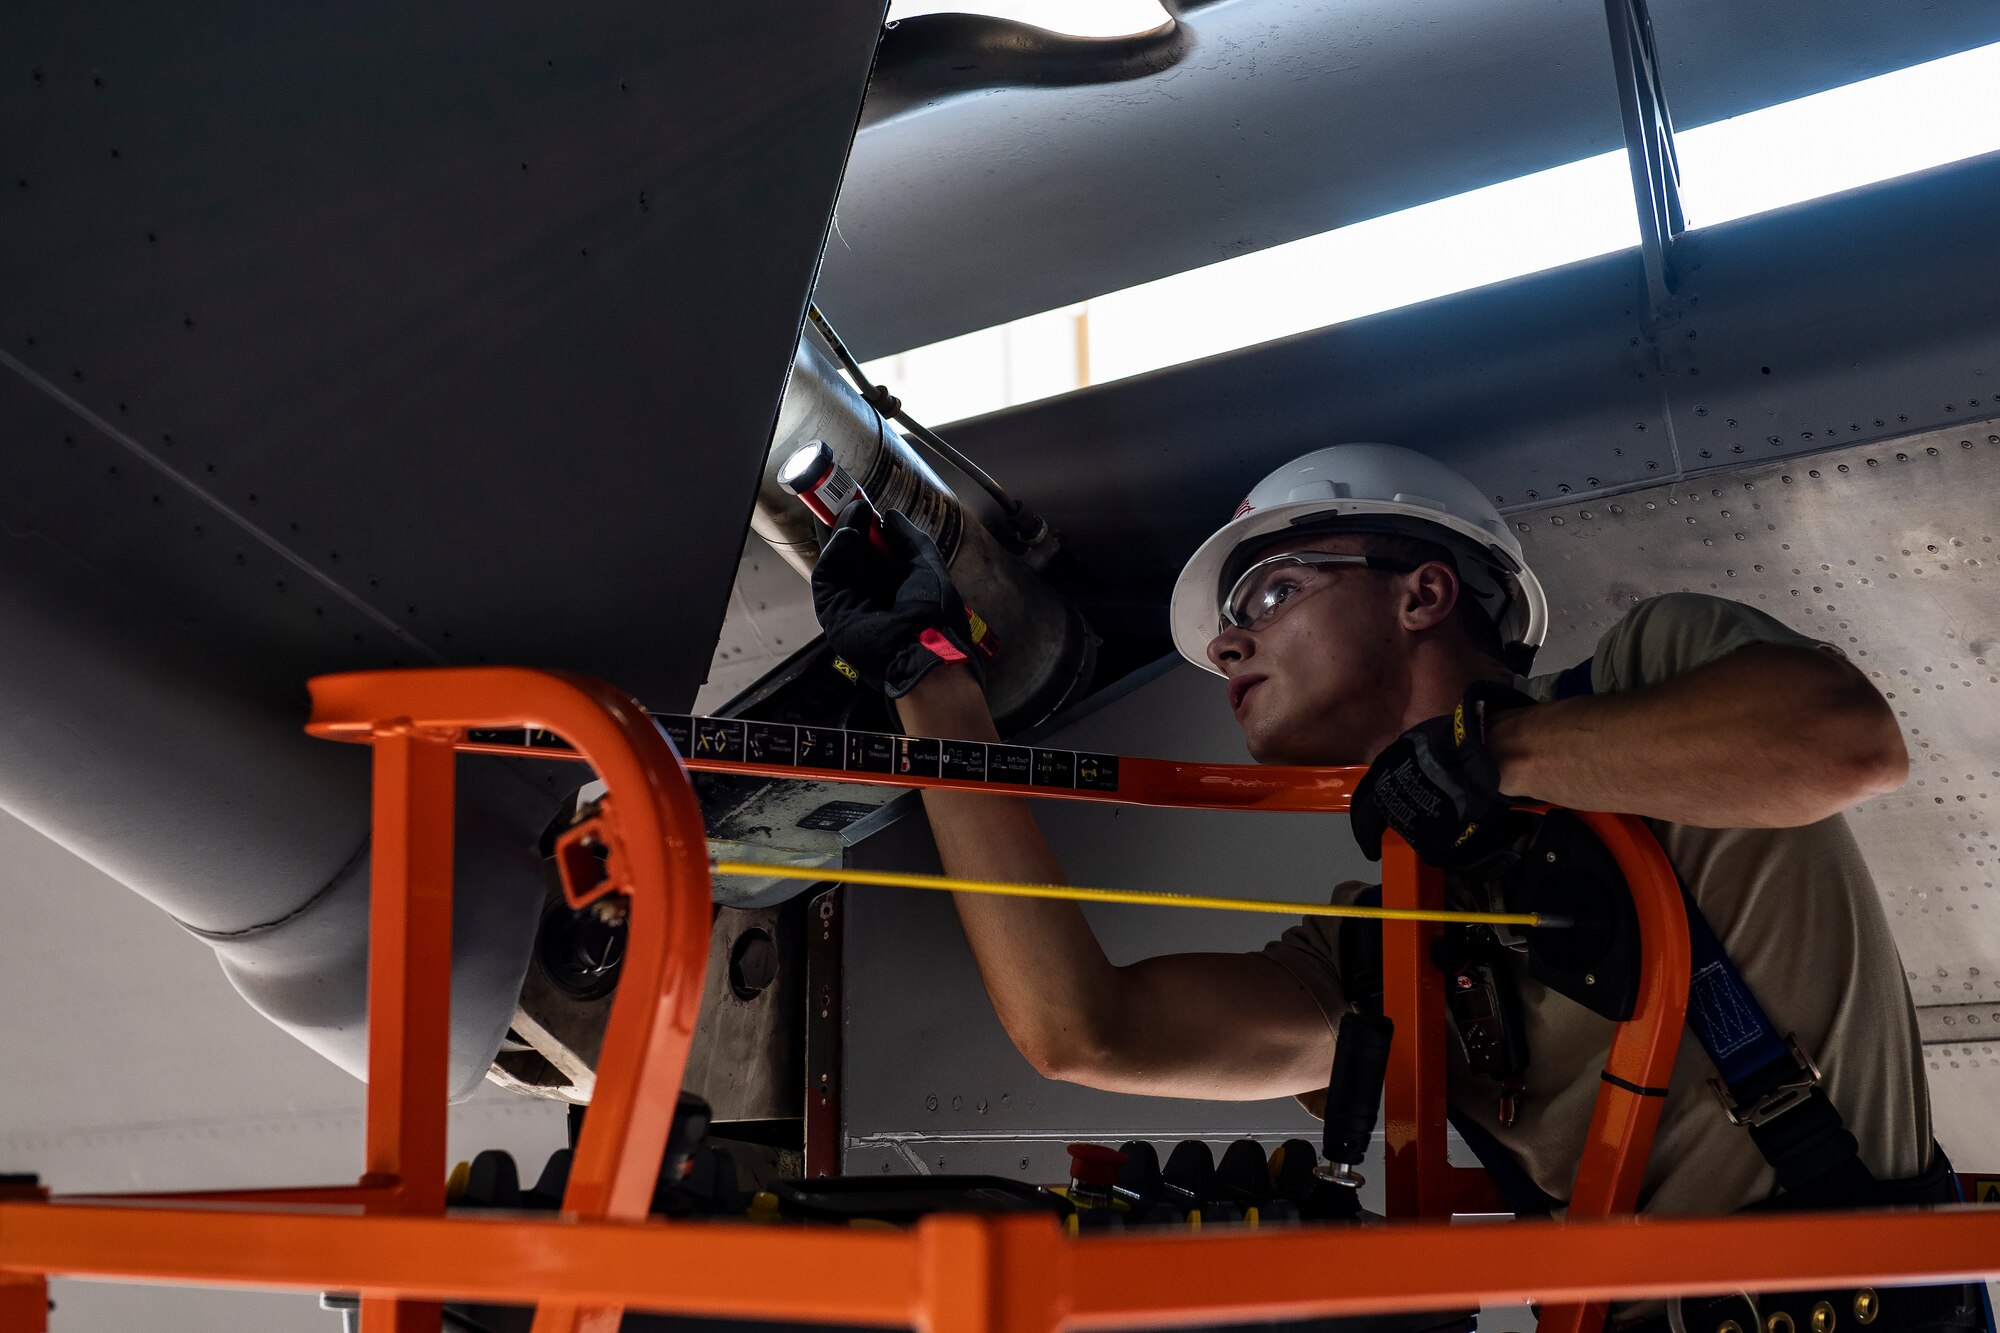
{"x":1231,"y":645}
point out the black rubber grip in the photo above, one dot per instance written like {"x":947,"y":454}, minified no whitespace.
{"x":1353,"y":1094}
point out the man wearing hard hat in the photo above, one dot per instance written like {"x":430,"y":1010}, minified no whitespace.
{"x":1367,"y":605}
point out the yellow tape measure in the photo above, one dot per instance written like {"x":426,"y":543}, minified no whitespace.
{"x":1005,"y":889}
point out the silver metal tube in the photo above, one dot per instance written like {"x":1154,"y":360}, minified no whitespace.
{"x":1029,"y":528}
{"x":1046,"y":652}
{"x":150,"y":753}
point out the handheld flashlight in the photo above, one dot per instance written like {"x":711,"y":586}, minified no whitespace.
{"x":829,"y":490}
{"x":825,"y":487}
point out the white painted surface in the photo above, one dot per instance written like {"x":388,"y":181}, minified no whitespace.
{"x":131,"y":1064}
{"x":770,"y":617}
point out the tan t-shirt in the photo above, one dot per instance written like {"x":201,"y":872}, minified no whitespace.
{"x":1799,"y":916}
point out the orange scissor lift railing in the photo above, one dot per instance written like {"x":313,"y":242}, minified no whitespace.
{"x":388,"y":1237}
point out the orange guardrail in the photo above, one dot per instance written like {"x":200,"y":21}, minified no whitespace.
{"x":388,"y":1237}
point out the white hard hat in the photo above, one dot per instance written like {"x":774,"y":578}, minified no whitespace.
{"x":1363,"y":488}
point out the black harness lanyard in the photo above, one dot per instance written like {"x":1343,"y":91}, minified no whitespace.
{"x":1361,"y":977}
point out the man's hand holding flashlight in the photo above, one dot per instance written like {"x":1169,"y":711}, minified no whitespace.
{"x":891,"y":615}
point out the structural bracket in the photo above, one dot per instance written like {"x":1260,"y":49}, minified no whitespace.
{"x":1649,"y":147}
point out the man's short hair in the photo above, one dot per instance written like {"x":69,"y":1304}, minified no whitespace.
{"x":1473,"y":622}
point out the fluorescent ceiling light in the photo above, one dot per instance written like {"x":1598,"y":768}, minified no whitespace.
{"x":1888,"y":126}
{"x":1470,"y":240}
{"x":1891,"y":125}
{"x":1078,"y":18}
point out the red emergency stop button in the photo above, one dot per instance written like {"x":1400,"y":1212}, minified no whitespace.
{"x":1094,"y":1166}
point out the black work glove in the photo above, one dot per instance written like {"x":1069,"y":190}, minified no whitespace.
{"x":892,"y":617}
{"x":1438,"y":787}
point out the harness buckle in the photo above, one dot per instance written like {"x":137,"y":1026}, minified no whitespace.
{"x":1791,"y":1093}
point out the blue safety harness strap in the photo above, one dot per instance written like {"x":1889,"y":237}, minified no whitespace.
{"x":1766,"y":1083}
{"x":1731,"y":1026}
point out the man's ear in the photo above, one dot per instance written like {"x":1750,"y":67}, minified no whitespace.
{"x":1429,"y":596}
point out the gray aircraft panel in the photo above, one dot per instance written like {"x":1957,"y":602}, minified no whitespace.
{"x":1289,"y":118}
{"x":374,"y":336}
{"x":411,"y":314}
{"x":1891,"y":552}
{"x":1868,"y":315}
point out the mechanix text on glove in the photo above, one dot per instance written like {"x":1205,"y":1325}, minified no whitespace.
{"x":1438,"y":786}
{"x":890,"y":616}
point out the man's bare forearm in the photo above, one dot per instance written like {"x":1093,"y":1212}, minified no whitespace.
{"x":1769,"y":737}
{"x":1229,"y":1026}
{"x":1043,"y":967}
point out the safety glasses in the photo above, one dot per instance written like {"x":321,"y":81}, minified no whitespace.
{"x":1271,"y":583}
